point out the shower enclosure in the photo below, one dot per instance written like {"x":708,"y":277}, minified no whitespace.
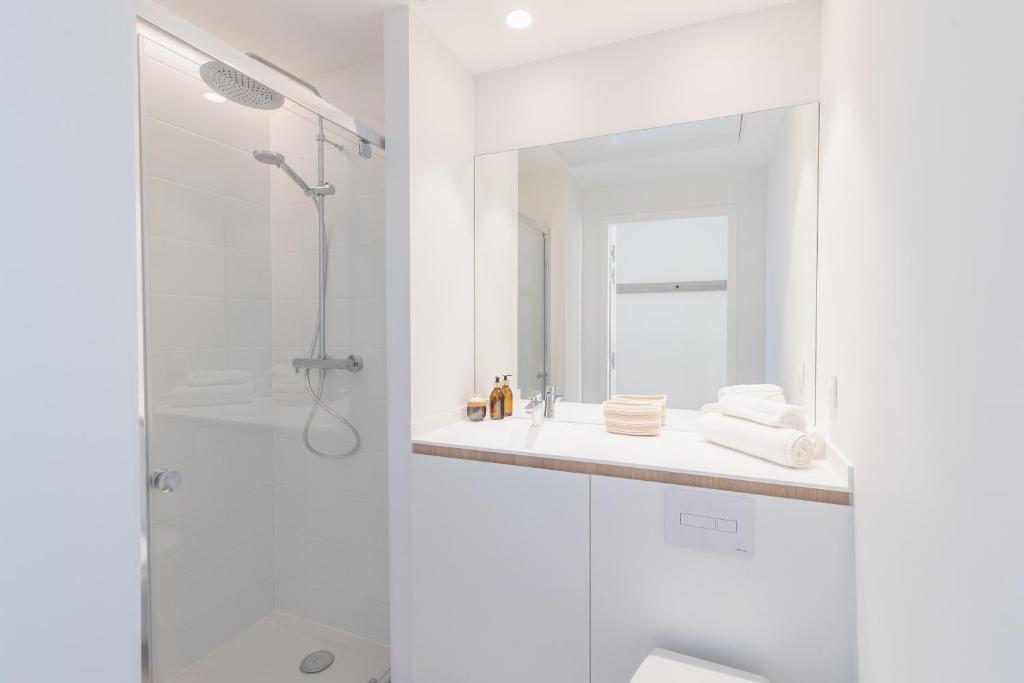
{"x":261,"y":250}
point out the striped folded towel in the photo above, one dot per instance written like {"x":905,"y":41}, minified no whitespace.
{"x":661,"y":399}
{"x":634,"y":418}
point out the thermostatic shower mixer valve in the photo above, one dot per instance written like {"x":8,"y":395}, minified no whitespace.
{"x":352,"y":363}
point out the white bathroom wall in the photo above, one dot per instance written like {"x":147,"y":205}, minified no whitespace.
{"x":429,"y":268}
{"x":743,"y":63}
{"x":743,"y":189}
{"x":497,"y":227}
{"x":441,"y":125}
{"x":206,"y":248}
{"x":330,"y":515}
{"x":69,"y":514}
{"x":791,"y":213}
{"x":920,"y":248}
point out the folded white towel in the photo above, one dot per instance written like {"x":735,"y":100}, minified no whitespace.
{"x":772,"y":392}
{"x":764,"y":411}
{"x":209,"y":378}
{"x":212,"y":395}
{"x":787,"y":447}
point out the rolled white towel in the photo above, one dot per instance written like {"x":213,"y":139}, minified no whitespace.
{"x":818,"y":438}
{"x":209,"y":378}
{"x":787,"y":447}
{"x":764,"y":411}
{"x":213,"y":395}
{"x":772,"y":392}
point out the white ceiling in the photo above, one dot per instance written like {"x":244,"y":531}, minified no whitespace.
{"x":475,"y":30}
{"x":305,"y":37}
{"x":313,"y":36}
{"x":730,"y":142}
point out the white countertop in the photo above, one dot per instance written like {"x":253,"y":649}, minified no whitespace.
{"x":679,"y":450}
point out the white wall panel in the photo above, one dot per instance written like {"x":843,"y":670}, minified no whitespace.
{"x":786,"y":612}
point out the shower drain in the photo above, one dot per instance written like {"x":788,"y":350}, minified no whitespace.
{"x":315,"y":662}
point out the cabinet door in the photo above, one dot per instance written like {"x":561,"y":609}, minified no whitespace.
{"x":500,"y":573}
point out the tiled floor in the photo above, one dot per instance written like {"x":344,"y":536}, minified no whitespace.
{"x":270,"y":652}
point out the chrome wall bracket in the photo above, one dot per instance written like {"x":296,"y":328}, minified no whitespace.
{"x":320,"y":190}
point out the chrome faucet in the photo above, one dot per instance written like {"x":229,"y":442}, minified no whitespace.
{"x":535,"y":409}
{"x":550,"y":396}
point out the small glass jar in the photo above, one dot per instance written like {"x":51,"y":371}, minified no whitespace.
{"x":476,"y":408}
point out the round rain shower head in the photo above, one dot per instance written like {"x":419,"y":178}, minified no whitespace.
{"x":266,"y":156}
{"x":237,"y":87}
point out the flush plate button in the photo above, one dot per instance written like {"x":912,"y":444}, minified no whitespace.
{"x":728,"y":526}
{"x":699,"y":521}
{"x":709,"y":522}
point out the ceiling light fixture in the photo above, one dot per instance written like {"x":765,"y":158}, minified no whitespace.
{"x":519,"y":18}
{"x":215,"y":97}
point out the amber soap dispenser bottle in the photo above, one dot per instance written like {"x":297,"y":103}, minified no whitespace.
{"x":496,"y":401}
{"x":506,"y":396}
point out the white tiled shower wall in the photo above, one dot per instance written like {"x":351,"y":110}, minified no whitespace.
{"x":229,"y":249}
{"x":330,"y":515}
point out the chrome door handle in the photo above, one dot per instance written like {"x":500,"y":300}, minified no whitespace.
{"x":165,"y":480}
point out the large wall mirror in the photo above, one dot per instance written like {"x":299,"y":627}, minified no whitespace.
{"x":672,"y":260}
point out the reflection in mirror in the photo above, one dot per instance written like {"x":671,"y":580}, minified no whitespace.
{"x":674,"y":260}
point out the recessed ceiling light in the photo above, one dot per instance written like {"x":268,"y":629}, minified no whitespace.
{"x":518,"y":18}
{"x":214,"y":97}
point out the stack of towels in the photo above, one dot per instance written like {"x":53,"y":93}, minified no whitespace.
{"x":755,"y":419}
{"x":214,"y":388}
{"x":634,"y":414}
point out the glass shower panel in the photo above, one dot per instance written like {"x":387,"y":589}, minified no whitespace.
{"x":260,"y":553}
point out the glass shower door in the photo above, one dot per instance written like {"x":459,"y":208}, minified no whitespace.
{"x":265,"y":562}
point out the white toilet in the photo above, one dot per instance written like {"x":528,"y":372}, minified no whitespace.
{"x":662,"y":666}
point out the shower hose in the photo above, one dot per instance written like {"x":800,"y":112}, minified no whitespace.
{"x":317,"y":393}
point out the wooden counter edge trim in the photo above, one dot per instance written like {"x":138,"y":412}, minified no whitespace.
{"x":807,"y":493}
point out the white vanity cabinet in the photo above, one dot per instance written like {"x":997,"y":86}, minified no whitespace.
{"x":500,"y":573}
{"x":524,"y":571}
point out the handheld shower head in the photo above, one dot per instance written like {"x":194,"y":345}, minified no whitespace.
{"x":266,"y":156}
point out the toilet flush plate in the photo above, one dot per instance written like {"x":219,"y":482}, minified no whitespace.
{"x":710,"y":522}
